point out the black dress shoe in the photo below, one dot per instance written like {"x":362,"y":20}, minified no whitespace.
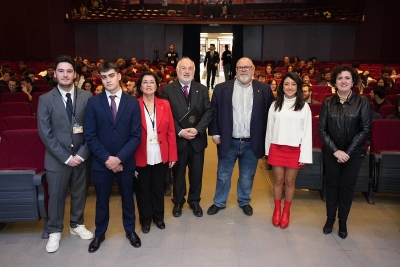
{"x":145,"y":229}
{"x":177,"y":211}
{"x":160,"y":225}
{"x":248,"y":210}
{"x":197,"y":210}
{"x":134,"y":239}
{"x":95,"y":244}
{"x":327,"y":229}
{"x":213,"y":209}
{"x":342,"y":230}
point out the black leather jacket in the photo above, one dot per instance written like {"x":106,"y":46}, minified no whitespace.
{"x":345,"y":126}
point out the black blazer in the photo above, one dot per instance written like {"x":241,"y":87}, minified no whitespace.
{"x":222,"y":122}
{"x":209,"y":60}
{"x":198,"y":98}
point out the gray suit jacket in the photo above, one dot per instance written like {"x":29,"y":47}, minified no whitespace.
{"x":55,"y":129}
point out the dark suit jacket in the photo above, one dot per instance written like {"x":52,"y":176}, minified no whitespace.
{"x":209,"y":60}
{"x":108,"y":138}
{"x":165,"y":133}
{"x":55,"y":129}
{"x":222,"y":122}
{"x":200,"y":99}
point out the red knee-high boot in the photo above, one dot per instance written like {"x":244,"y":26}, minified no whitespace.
{"x":285,"y":215}
{"x":276,"y":217}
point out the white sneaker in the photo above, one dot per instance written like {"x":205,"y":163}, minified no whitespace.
{"x":81,"y":231}
{"x":54,"y":242}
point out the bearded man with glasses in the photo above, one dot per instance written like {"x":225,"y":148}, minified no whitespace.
{"x":240,"y":112}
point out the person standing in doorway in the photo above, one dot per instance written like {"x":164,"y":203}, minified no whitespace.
{"x":226,"y":62}
{"x":211,"y":63}
{"x":171,"y":57}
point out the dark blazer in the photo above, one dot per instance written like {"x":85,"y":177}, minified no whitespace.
{"x":108,"y":138}
{"x":222,"y":122}
{"x":209,"y":60}
{"x":55,"y":129}
{"x":198,"y":98}
{"x":165,"y":133}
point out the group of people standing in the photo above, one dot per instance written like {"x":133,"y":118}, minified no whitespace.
{"x":138,"y":140}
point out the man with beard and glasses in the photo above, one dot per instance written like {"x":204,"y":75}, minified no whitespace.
{"x":240,"y":112}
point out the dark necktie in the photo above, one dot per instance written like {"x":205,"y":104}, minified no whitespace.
{"x":69,"y":107}
{"x":113,"y":107}
{"x":185,"y":91}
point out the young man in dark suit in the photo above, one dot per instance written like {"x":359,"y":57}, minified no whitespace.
{"x":240,"y":113}
{"x":61,"y":115}
{"x":211,"y":63}
{"x":183,"y":95}
{"x":113,"y":129}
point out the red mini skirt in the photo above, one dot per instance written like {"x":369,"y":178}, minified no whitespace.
{"x":284,"y":156}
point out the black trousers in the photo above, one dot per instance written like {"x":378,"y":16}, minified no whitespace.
{"x":150,"y":192}
{"x":195,"y":161}
{"x":341,"y":179}
{"x":211,"y":71}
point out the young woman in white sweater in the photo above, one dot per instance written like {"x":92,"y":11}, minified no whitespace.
{"x":288,"y":142}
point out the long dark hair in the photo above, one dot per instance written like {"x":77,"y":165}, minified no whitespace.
{"x":299,"y":104}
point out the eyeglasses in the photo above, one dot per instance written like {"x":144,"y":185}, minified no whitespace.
{"x":246,"y":68}
{"x":151,"y":83}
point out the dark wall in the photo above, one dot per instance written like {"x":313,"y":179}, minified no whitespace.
{"x":35,"y":29}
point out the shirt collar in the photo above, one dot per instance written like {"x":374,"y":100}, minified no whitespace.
{"x":64,"y":93}
{"x":182,"y":85}
{"x":350,"y":101}
{"x":118,"y":94}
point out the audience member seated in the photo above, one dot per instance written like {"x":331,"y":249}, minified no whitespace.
{"x":378,"y":98}
{"x":311,"y":71}
{"x":146,"y":67}
{"x":99,"y":89}
{"x":274,"y":87}
{"x":13,"y":84}
{"x":88,"y":85}
{"x":277,"y":73}
{"x":307,"y":95}
{"x":22,"y":67}
{"x":326,"y":79}
{"x":6,"y":77}
{"x":286,"y":62}
{"x":31,"y":74}
{"x":295,"y":61}
{"x":396,"y":112}
{"x":298,"y":71}
{"x":394,"y":75}
{"x":262,"y":78}
{"x":49,"y":74}
{"x":27,"y":88}
{"x":135,"y":64}
{"x":289,"y":68}
{"x":132,"y":89}
{"x":306,"y":79}
{"x":268,"y":69}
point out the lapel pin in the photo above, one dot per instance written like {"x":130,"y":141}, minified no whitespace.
{"x":258,"y":91}
{"x":197,"y":91}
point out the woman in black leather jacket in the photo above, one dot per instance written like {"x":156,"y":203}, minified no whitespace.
{"x":344,"y":125}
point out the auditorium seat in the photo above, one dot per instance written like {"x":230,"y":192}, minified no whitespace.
{"x":385,"y":150}
{"x":22,"y":178}
{"x":14,"y":97}
{"x":17,"y":122}
{"x":315,"y":109}
{"x":392,"y":98}
{"x":386,"y":111}
{"x":35,"y":101}
{"x":15,"y":109}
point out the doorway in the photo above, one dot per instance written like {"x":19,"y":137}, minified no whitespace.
{"x":219,"y":40}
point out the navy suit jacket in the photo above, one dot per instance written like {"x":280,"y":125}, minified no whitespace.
{"x":108,"y":138}
{"x":222,"y":122}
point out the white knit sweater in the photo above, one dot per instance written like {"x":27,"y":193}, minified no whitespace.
{"x":290,"y":128}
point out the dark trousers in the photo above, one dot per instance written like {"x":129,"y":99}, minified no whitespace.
{"x":103,"y":182}
{"x":195,"y":161}
{"x":211,"y":71}
{"x":150,"y":192}
{"x":341,"y":179}
{"x":58,"y":183}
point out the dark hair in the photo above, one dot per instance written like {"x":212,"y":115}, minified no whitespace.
{"x":298,"y":59}
{"x":107,"y":65}
{"x":213,"y":45}
{"x":339,"y":69}
{"x":355,"y":65}
{"x":288,"y":66}
{"x":379,"y":91}
{"x":308,"y":86}
{"x":49,"y":67}
{"x":92,"y":88}
{"x":11,"y":73}
{"x":299,"y":104}
{"x":26,"y":79}
{"x":14,"y":79}
{"x":385,"y":70}
{"x":276,"y":70}
{"x":87,"y":75}
{"x":139,"y":82}
{"x":29,"y":71}
{"x":310,"y":68}
{"x":64,"y":58}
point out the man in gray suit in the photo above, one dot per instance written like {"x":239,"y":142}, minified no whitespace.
{"x":61,"y":115}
